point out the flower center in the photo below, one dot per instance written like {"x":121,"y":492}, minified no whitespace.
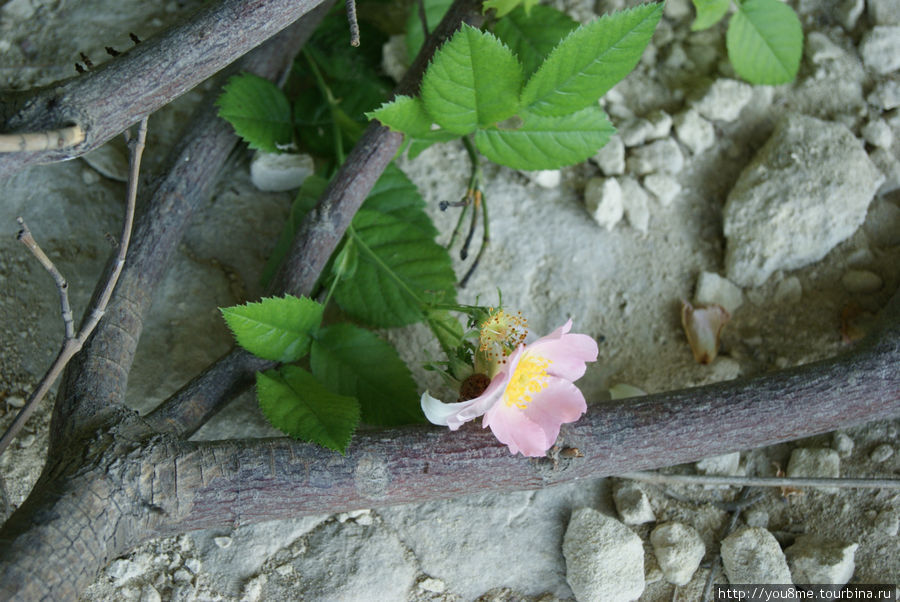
{"x":529,"y":378}
{"x":500,"y":334}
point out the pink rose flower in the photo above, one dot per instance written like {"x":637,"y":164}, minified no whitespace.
{"x":530,"y":396}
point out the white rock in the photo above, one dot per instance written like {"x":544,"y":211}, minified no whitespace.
{"x":430,"y":584}
{"x":881,"y":453}
{"x":888,"y":522}
{"x":884,"y":12}
{"x":275,"y":172}
{"x":889,"y":165}
{"x":149,"y":594}
{"x":814,"y":560}
{"x":15,"y":401}
{"x":662,"y":155}
{"x":611,"y":157}
{"x":886,"y":95}
{"x":878,"y":133}
{"x":712,"y":288}
{"x":253,"y":589}
{"x":604,"y":558}
{"x":820,"y":49}
{"x":789,"y":290}
{"x":815,"y":462}
{"x":724,"y":100}
{"x":756,"y":517}
{"x":880,"y":49}
{"x":861,"y":281}
{"x":752,"y":555}
{"x":842,"y":444}
{"x":807,"y":189}
{"x":394,"y":57}
{"x":636,"y":204}
{"x":849,"y":11}
{"x":663,"y":186}
{"x":633,"y":505}
{"x":123,"y":570}
{"x":661,"y":123}
{"x":724,"y":465}
{"x":635,"y":131}
{"x":679,"y":550}
{"x":223,"y":541}
{"x":678,"y":9}
{"x":603,"y":200}
{"x":694,"y":131}
{"x":545,"y":178}
{"x":883,"y":223}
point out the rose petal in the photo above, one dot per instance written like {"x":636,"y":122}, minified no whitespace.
{"x":455,"y":414}
{"x":517,"y":431}
{"x":568,"y":352}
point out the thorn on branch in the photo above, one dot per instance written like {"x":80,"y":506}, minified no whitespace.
{"x":79,"y":68}
{"x":87,"y":61}
{"x":354,"y":24}
{"x":134,"y":38}
{"x":112,"y":51}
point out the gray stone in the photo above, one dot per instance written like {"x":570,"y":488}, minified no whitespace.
{"x":880,"y":49}
{"x":604,"y":558}
{"x":889,"y":165}
{"x":603,"y":200}
{"x":662,"y":155}
{"x":816,"y":560}
{"x":878,"y":133}
{"x":661,"y":123}
{"x":820,"y":49}
{"x":663,"y":186}
{"x":451,"y":542}
{"x":723,"y":465}
{"x":712,"y":288}
{"x":886,"y":95}
{"x":789,"y":290}
{"x":611,"y":157}
{"x":545,"y":178}
{"x":883,"y":223}
{"x":815,"y":462}
{"x":807,"y":189}
{"x":679,"y":550}
{"x":752,"y":555}
{"x":276,"y":172}
{"x":347,"y":561}
{"x":694,"y":131}
{"x":884,"y":12}
{"x":842,"y":444}
{"x":635,"y":131}
{"x":636,"y":204}
{"x":861,"y":281}
{"x":881,"y":453}
{"x":888,"y":522}
{"x":633,"y":505}
{"x":724,"y":100}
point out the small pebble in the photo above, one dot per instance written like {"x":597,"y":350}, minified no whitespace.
{"x":603,"y":200}
{"x":878,"y":133}
{"x":881,"y":453}
{"x":635,"y":132}
{"x":611,"y":157}
{"x":880,"y":49}
{"x":842,"y":444}
{"x":223,"y":542}
{"x":545,"y":178}
{"x":633,"y":505}
{"x":712,"y":288}
{"x":285,"y":569}
{"x":15,"y":401}
{"x":724,"y":100}
{"x":430,"y":584}
{"x":888,"y":522}
{"x":723,"y":465}
{"x":661,"y":123}
{"x":663,"y":155}
{"x":636,"y":204}
{"x":26,"y":441}
{"x":182,"y":576}
{"x":694,"y":131}
{"x":663,"y":186}
{"x":789,"y":290}
{"x":149,"y":594}
{"x":861,"y":281}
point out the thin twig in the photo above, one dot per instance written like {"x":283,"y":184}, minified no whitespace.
{"x":354,"y":24}
{"x":726,"y":481}
{"x":485,"y":239}
{"x":73,"y":344}
{"x":714,"y":566}
{"x":62,"y":287}
{"x":423,"y":17}
{"x":66,"y":137}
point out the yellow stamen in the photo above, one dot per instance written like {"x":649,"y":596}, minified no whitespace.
{"x":529,"y":378}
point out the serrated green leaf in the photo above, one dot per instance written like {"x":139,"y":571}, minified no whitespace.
{"x":447,"y":330}
{"x":709,"y":12}
{"x":307,"y":197}
{"x":395,"y":195}
{"x":765,"y":42}
{"x":295,"y":403}
{"x":415,"y":37}
{"x":258,"y":110}
{"x":407,"y":115}
{"x":531,"y":36}
{"x":473,"y":80}
{"x":504,"y":7}
{"x":400,"y":269}
{"x":353,"y":361}
{"x":590,"y":61}
{"x":547,"y":142}
{"x":276,"y":328}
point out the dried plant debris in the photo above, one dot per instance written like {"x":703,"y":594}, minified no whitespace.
{"x":703,"y":325}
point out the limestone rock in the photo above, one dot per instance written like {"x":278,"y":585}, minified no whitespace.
{"x":275,"y":172}
{"x":545,"y":178}
{"x":752,"y":555}
{"x":662,"y":155}
{"x":633,"y":505}
{"x":636,"y":204}
{"x":603,"y":200}
{"x":884,"y":12}
{"x":724,"y":465}
{"x":842,"y":444}
{"x":635,"y":131}
{"x":815,"y":462}
{"x":880,"y":49}
{"x":724,"y":100}
{"x":663,"y":186}
{"x":878,"y":133}
{"x":814,"y":560}
{"x":712,"y":288}
{"x":679,"y":550}
{"x":886,"y":95}
{"x":604,"y":558}
{"x":611,"y":157}
{"x":807,"y":189}
{"x":881,"y":453}
{"x":694,"y":131}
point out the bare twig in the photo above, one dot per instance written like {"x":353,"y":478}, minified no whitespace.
{"x":354,"y":24}
{"x":62,"y":138}
{"x":73,"y":344}
{"x":714,"y":566}
{"x":725,"y":481}
{"x":118,"y":93}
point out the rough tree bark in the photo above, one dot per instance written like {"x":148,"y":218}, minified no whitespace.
{"x":114,"y":479}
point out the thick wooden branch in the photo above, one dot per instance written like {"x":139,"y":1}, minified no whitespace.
{"x":95,"y":382}
{"x":108,"y":99}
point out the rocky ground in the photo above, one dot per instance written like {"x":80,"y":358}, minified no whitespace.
{"x":678,"y":206}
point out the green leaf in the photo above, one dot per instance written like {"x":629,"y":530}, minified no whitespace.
{"x":590,"y":61}
{"x":307,"y":197}
{"x":407,"y":115}
{"x":547,"y":142}
{"x":258,"y":110}
{"x":709,"y":12}
{"x":504,"y":7}
{"x":353,"y":361}
{"x":296,"y":404}
{"x":415,"y":37}
{"x":765,"y":42}
{"x":399,"y":270}
{"x":473,"y":80}
{"x":533,"y":35}
{"x":395,"y":195}
{"x":276,"y":328}
{"x":447,"y":330}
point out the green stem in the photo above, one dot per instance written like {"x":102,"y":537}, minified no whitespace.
{"x":332,"y":106}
